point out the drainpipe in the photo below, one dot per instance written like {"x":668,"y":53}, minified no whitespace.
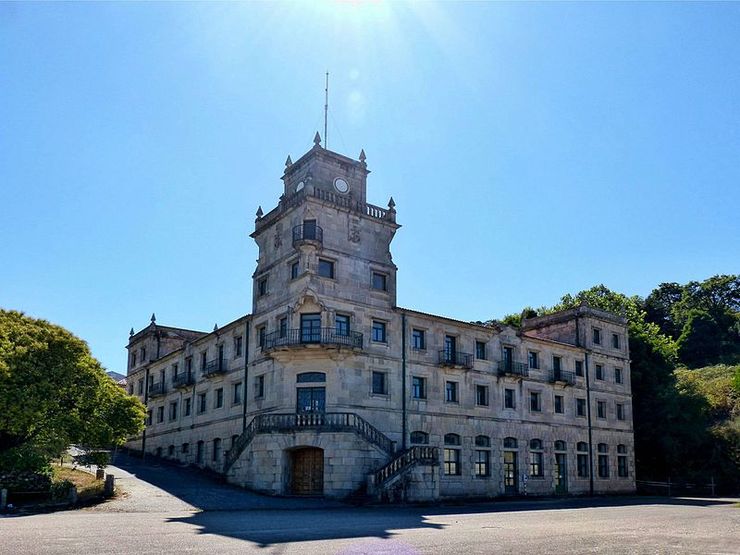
{"x":246,"y":375}
{"x":403,"y":378}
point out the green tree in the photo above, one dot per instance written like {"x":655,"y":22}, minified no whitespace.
{"x":659,"y":306}
{"x":700,"y":342}
{"x":54,"y":393}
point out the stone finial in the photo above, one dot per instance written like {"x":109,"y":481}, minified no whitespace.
{"x":391,"y":203}
{"x":362,"y":155}
{"x":260,"y":213}
{"x":215,"y":327}
{"x":317,"y":139}
{"x":154,"y":318}
{"x":131,"y":333}
{"x":288,"y":162}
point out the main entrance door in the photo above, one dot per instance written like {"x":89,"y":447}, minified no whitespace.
{"x":511,"y":479}
{"x":307,"y":471}
{"x":561,"y":473}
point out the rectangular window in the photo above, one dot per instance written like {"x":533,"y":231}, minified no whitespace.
{"x":160,"y":414}
{"x":149,"y":417}
{"x":261,"y":333}
{"x":175,"y":370}
{"x":535,"y":401}
{"x":601,"y":409}
{"x":481,"y":395}
{"x":596,"y":336}
{"x":534,"y":359}
{"x":341,"y":324}
{"x":599,"y":372}
{"x":452,"y":462}
{"x":618,"y":375}
{"x":133,"y":360}
{"x":535,"y":465}
{"x":580,"y":407}
{"x":236,"y":395}
{"x":173,"y":410}
{"x":187,"y":406}
{"x":579,"y":368}
{"x":451,"y":392}
{"x":480,"y":350}
{"x":143,"y":354}
{"x":615,"y":341}
{"x":130,"y":389}
{"x":622,"y":466}
{"x":418,"y":340}
{"x":216,"y":455}
{"x":582,"y":464}
{"x":283,"y":327}
{"x":620,"y":411}
{"x":559,"y":404}
{"x":419,"y":387}
{"x":189,"y":366}
{"x":379,"y":332}
{"x":140,"y":386}
{"x":380,"y":387}
{"x":509,"y":399}
{"x":557,"y":364}
{"x":380,"y":281}
{"x":262,"y":287}
{"x":219,"y":397}
{"x":202,"y":403}
{"x":603,"y":466}
{"x":237,"y":346}
{"x":482,"y":463}
{"x":203,"y":360}
{"x":294,"y":267}
{"x":326,"y":268}
{"x":259,"y":387}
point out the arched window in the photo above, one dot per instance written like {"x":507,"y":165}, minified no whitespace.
{"x":622,"y":470}
{"x":510,"y":443}
{"x":482,"y":441}
{"x":216,"y":455}
{"x":559,"y":445}
{"x":603,"y":448}
{"x":622,"y":449}
{"x":452,"y":439}
{"x":419,"y":438}
{"x":582,"y":446}
{"x":603,"y":460}
{"x":185,"y":448}
{"x":582,"y":459}
{"x":536,"y":457}
{"x":171,"y":451}
{"x":311,"y":377}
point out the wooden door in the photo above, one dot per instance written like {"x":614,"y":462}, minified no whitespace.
{"x":511,"y":478}
{"x":561,"y":473}
{"x":307,"y":471}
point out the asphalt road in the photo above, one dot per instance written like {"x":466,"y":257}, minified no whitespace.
{"x":165,"y":517}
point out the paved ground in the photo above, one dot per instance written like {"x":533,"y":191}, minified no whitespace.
{"x":171,"y":510}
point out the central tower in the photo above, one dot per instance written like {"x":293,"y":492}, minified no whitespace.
{"x":324,"y":244}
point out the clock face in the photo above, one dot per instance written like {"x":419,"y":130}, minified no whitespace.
{"x":341,"y":185}
{"x":299,"y":186}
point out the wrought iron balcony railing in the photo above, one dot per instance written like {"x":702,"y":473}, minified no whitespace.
{"x":318,"y":336}
{"x":561,"y":376}
{"x":217,"y":366}
{"x":512,"y":368}
{"x":156,"y":389}
{"x":307,"y":232}
{"x":182,"y":380}
{"x":455,"y":358}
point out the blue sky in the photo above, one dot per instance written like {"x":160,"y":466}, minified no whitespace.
{"x":532,"y":149}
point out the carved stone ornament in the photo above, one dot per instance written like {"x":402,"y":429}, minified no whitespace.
{"x":278,"y":241}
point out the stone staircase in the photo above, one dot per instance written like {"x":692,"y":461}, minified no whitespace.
{"x":386,"y":477}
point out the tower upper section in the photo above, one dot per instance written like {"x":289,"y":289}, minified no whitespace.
{"x":324,"y":239}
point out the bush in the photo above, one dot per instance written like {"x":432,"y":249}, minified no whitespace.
{"x":60,"y":490}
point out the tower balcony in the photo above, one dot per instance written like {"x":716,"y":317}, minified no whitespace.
{"x":512,"y":368}
{"x":561,"y":377}
{"x":156,"y":389}
{"x":329,"y":337}
{"x":455,"y":358}
{"x":308,"y":233}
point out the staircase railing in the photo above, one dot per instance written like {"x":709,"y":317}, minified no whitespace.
{"x":418,"y":454}
{"x":295,"y":422}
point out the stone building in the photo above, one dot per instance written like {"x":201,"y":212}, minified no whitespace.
{"x":330,"y":388}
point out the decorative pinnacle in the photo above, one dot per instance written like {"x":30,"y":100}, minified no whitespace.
{"x":362,"y":155}
{"x":391,"y":203}
{"x":288,"y":162}
{"x":260,"y":213}
{"x":215,"y":327}
{"x":317,"y":139}
{"x":154,"y":318}
{"x":131,"y":333}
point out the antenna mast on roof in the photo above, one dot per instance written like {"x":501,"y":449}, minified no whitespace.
{"x":326,"y":111}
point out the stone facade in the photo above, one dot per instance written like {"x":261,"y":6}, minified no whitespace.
{"x":328,"y":387}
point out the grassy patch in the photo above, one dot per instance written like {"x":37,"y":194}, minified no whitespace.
{"x":87,"y":485}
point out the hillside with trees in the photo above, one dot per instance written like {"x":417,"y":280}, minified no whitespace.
{"x":685,"y":352}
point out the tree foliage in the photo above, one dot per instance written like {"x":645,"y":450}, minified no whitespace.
{"x":54,"y":393}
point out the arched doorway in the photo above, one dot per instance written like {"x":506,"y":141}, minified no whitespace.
{"x":307,"y":471}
